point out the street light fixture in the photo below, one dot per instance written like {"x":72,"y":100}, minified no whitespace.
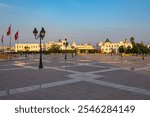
{"x":41,"y":36}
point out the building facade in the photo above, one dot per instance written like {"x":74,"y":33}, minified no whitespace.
{"x":23,"y":47}
{"x":148,"y":46}
{"x":84,"y":48}
{"x":70,"y":46}
{"x":109,"y":47}
{"x":4,"y":49}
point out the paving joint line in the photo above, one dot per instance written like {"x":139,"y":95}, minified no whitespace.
{"x":37,"y":87}
{"x":59,"y":83}
{"x":120,"y":86}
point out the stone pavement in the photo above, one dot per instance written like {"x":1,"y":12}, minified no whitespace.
{"x":93,"y":77}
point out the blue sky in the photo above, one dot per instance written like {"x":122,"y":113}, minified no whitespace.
{"x":83,"y":21}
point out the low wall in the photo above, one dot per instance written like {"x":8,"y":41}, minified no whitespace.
{"x":4,"y":56}
{"x":7,"y":56}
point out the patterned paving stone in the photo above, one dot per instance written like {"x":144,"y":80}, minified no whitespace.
{"x":27,"y":77}
{"x":81,"y":77}
{"x":126,"y":78}
{"x":85,"y":68}
{"x":79,"y":91}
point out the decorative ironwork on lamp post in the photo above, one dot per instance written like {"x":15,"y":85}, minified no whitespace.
{"x":41,"y":36}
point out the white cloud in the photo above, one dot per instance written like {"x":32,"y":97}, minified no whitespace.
{"x":5,"y":5}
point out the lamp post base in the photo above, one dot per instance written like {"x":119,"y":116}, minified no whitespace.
{"x":40,"y":62}
{"x":40,"y":66}
{"x":65,"y":56}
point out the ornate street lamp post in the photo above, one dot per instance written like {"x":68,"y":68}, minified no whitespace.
{"x":73,"y":50}
{"x":143,"y":57}
{"x":41,"y":36}
{"x":26,"y":50}
{"x":65,"y":44}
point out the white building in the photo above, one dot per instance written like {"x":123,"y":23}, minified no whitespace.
{"x":31,"y":47}
{"x":36,"y":47}
{"x":108,"y":47}
{"x":83,"y":48}
{"x":70,"y":46}
{"x":48,"y":45}
{"x":148,"y":46}
{"x":4,"y":49}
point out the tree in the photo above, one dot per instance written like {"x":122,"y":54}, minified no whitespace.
{"x":142,"y":43}
{"x":143,"y":48}
{"x":122,"y":49}
{"x":136,"y":49}
{"x":54,"y":49}
{"x":132,"y":40}
{"x":140,"y":48}
{"x":113,"y":51}
{"x":129,"y":50}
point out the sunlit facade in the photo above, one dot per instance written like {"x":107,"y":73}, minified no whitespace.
{"x":70,"y":46}
{"x":85,"y":48}
{"x":4,"y":49}
{"x":23,"y":47}
{"x":60,"y":43}
{"x":148,"y":46}
{"x":108,"y":47}
{"x":31,"y":47}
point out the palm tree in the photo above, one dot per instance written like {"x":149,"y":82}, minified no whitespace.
{"x":122,"y":49}
{"x":59,"y":40}
{"x":66,"y":39}
{"x":132,"y":40}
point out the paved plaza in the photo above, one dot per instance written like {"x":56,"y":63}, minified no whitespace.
{"x":84,"y":77}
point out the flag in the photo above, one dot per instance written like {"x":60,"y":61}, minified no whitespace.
{"x":2,"y":39}
{"x":9,"y":31}
{"x":16,"y":36}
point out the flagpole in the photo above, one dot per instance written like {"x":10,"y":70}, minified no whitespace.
{"x":17,"y":47}
{"x":17,"y":42}
{"x":3,"y":46}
